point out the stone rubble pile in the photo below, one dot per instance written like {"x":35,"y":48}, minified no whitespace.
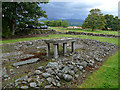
{"x":15,"y":51}
{"x":22,"y":45}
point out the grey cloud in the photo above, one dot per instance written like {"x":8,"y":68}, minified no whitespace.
{"x":119,"y":9}
{"x":66,"y":10}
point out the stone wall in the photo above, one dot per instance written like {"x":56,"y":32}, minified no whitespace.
{"x":91,"y":34}
{"x":44,"y":31}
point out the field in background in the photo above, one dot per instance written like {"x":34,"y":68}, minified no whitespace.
{"x":60,"y":29}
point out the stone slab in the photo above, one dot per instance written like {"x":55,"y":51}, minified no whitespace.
{"x":60,"y":40}
{"x":26,"y":62}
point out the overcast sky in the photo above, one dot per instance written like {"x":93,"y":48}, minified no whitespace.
{"x":78,"y":9}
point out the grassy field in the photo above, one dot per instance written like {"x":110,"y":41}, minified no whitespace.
{"x":60,"y":29}
{"x":105,"y":77}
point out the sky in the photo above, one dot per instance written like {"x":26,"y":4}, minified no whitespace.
{"x":119,"y":10}
{"x":78,"y":9}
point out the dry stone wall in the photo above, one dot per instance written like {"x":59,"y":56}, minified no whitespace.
{"x":91,"y":34}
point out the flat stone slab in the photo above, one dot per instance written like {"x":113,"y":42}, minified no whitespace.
{"x":26,"y":62}
{"x":60,"y":40}
{"x":52,"y":64}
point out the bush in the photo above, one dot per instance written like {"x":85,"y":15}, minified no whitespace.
{"x":6,"y":33}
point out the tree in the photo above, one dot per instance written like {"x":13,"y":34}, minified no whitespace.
{"x":95,"y":20}
{"x":112,"y":22}
{"x":15,"y":13}
{"x":116,"y":23}
{"x":56,"y":23}
{"x":109,"y":21}
{"x":65,"y":23}
{"x":60,"y":22}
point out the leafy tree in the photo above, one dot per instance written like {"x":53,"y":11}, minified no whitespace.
{"x":95,"y":20}
{"x":65,"y":23}
{"x":16,"y":13}
{"x":56,"y":23}
{"x":116,"y":23}
{"x":112,"y":22}
{"x":48,"y":23}
{"x":60,"y":22}
{"x":6,"y":30}
{"x":109,"y":21}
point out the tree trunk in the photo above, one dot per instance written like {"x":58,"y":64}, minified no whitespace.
{"x":92,"y":29}
{"x":13,"y":29}
{"x":14,"y":20}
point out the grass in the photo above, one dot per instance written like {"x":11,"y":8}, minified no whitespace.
{"x":97,"y":32}
{"x":60,"y":29}
{"x":106,"y":76}
{"x":102,"y":39}
{"x":35,"y":38}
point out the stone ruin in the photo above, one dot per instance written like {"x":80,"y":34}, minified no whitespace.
{"x":72,"y":68}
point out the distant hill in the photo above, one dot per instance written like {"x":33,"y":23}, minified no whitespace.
{"x":72,"y":22}
{"x":75,"y":22}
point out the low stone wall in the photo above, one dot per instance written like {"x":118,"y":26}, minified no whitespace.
{"x":91,"y":34}
{"x":43,"y":31}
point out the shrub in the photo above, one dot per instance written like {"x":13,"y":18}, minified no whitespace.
{"x":6,"y":33}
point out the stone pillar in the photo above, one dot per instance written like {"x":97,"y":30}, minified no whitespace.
{"x":48,"y":49}
{"x":58,"y":48}
{"x":55,"y":50}
{"x":73,"y":46}
{"x":64,"y":48}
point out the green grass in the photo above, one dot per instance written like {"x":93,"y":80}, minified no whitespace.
{"x":35,"y":38}
{"x":102,"y":39}
{"x":97,"y":32}
{"x":106,"y":76}
{"x":60,"y":29}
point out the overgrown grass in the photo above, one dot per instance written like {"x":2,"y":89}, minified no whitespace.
{"x":106,"y":76}
{"x":60,"y":29}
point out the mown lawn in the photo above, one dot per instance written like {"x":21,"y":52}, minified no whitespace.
{"x":60,"y":29}
{"x":98,"y":32}
{"x":105,"y":77}
{"x":103,"y":39}
{"x":35,"y":38}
